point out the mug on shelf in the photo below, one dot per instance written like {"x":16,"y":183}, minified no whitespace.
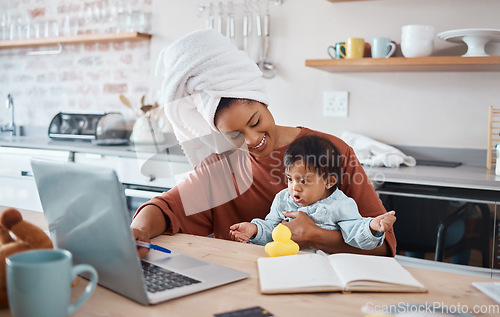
{"x":418,"y":30}
{"x":382,"y":47}
{"x":334,"y":50}
{"x":368,"y":50}
{"x":354,"y":48}
{"x":417,"y":40}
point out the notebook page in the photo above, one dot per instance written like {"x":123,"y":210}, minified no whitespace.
{"x":296,"y":272}
{"x":492,"y":289}
{"x":353,"y":267}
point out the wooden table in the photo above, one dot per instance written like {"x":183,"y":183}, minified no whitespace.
{"x":454,"y":290}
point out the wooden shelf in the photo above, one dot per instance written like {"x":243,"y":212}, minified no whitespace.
{"x":403,"y":64}
{"x":77,"y":39}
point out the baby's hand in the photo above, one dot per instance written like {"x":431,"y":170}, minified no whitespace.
{"x":243,"y":231}
{"x":383,"y":222}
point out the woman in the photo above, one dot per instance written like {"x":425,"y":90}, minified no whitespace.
{"x":211,"y":89}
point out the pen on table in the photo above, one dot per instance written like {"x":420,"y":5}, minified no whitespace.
{"x":152,"y":246}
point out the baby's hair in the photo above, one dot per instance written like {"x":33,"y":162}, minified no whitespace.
{"x":318,"y":154}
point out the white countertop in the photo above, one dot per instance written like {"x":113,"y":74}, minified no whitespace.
{"x":463,"y":176}
{"x":129,"y":150}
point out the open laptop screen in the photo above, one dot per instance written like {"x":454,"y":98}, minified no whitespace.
{"x":86,"y":212}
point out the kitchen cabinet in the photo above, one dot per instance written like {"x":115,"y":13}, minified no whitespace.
{"x":158,"y":172}
{"x":17,"y":185}
{"x":455,"y":186}
{"x":143,"y":175}
{"x":77,"y":39}
{"x":403,"y":64}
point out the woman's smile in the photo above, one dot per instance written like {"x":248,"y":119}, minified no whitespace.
{"x":261,"y":146}
{"x":252,"y":122}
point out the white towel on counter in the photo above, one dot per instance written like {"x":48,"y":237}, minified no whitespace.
{"x":374,"y":153}
{"x":198,"y":70}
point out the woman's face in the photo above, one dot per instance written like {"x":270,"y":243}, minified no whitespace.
{"x":249,"y":122}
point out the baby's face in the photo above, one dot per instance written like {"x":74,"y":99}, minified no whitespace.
{"x":305,"y":186}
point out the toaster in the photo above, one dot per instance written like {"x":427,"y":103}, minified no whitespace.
{"x":106,"y":127}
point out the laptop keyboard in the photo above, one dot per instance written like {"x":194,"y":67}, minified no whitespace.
{"x":159,"y":279}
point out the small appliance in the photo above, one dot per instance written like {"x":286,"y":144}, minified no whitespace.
{"x":100,"y":128}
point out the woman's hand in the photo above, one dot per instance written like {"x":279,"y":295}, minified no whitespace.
{"x":141,"y":235}
{"x":149,"y":223}
{"x":301,"y":227}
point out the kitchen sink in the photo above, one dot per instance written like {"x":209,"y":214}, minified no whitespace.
{"x":8,"y":134}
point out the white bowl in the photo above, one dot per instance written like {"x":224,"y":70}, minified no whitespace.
{"x":417,"y":28}
{"x":417,"y":48}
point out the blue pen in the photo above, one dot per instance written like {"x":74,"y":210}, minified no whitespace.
{"x":152,"y":246}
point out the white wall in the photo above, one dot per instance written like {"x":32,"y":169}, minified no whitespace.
{"x":448,"y":109}
{"x":83,"y":77}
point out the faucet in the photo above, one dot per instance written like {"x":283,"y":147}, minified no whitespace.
{"x":11,"y":126}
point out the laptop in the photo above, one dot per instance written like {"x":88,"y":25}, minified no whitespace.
{"x":86,"y":212}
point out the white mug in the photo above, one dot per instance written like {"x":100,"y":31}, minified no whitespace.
{"x":418,"y":29}
{"x":417,"y":40}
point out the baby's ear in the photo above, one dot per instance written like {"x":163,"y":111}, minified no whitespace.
{"x":331,"y":181}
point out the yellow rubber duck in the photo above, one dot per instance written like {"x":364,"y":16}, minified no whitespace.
{"x":282,"y":244}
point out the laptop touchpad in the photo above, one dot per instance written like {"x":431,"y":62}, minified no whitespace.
{"x":180,"y":261}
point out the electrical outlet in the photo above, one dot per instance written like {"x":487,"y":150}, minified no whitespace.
{"x":335,"y":103}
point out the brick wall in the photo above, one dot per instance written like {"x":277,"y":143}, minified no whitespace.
{"x":82,"y":77}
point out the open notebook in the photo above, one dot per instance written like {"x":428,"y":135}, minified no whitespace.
{"x":340,"y":272}
{"x":86,"y":211}
{"x":492,"y":289}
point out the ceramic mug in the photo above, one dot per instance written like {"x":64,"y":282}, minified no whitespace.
{"x":354,"y":48}
{"x":417,"y":40}
{"x":382,"y":47}
{"x":39,"y":283}
{"x":334,"y":50}
{"x":418,"y":30}
{"x":416,"y":48}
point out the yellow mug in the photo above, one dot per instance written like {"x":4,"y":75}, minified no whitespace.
{"x":354,"y":48}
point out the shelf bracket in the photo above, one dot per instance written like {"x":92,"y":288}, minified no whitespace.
{"x":56,"y":51}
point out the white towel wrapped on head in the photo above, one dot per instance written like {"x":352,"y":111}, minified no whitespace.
{"x":198,"y":70}
{"x":374,"y":153}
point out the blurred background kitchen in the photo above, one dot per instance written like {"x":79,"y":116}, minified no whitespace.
{"x":444,"y":113}
{"x":432,"y":109}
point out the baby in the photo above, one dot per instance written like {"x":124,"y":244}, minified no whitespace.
{"x":313,"y":176}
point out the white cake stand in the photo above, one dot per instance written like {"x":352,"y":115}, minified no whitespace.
{"x":476,"y":39}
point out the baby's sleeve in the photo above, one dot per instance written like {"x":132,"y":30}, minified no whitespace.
{"x":265,"y":226}
{"x":355,"y":229}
